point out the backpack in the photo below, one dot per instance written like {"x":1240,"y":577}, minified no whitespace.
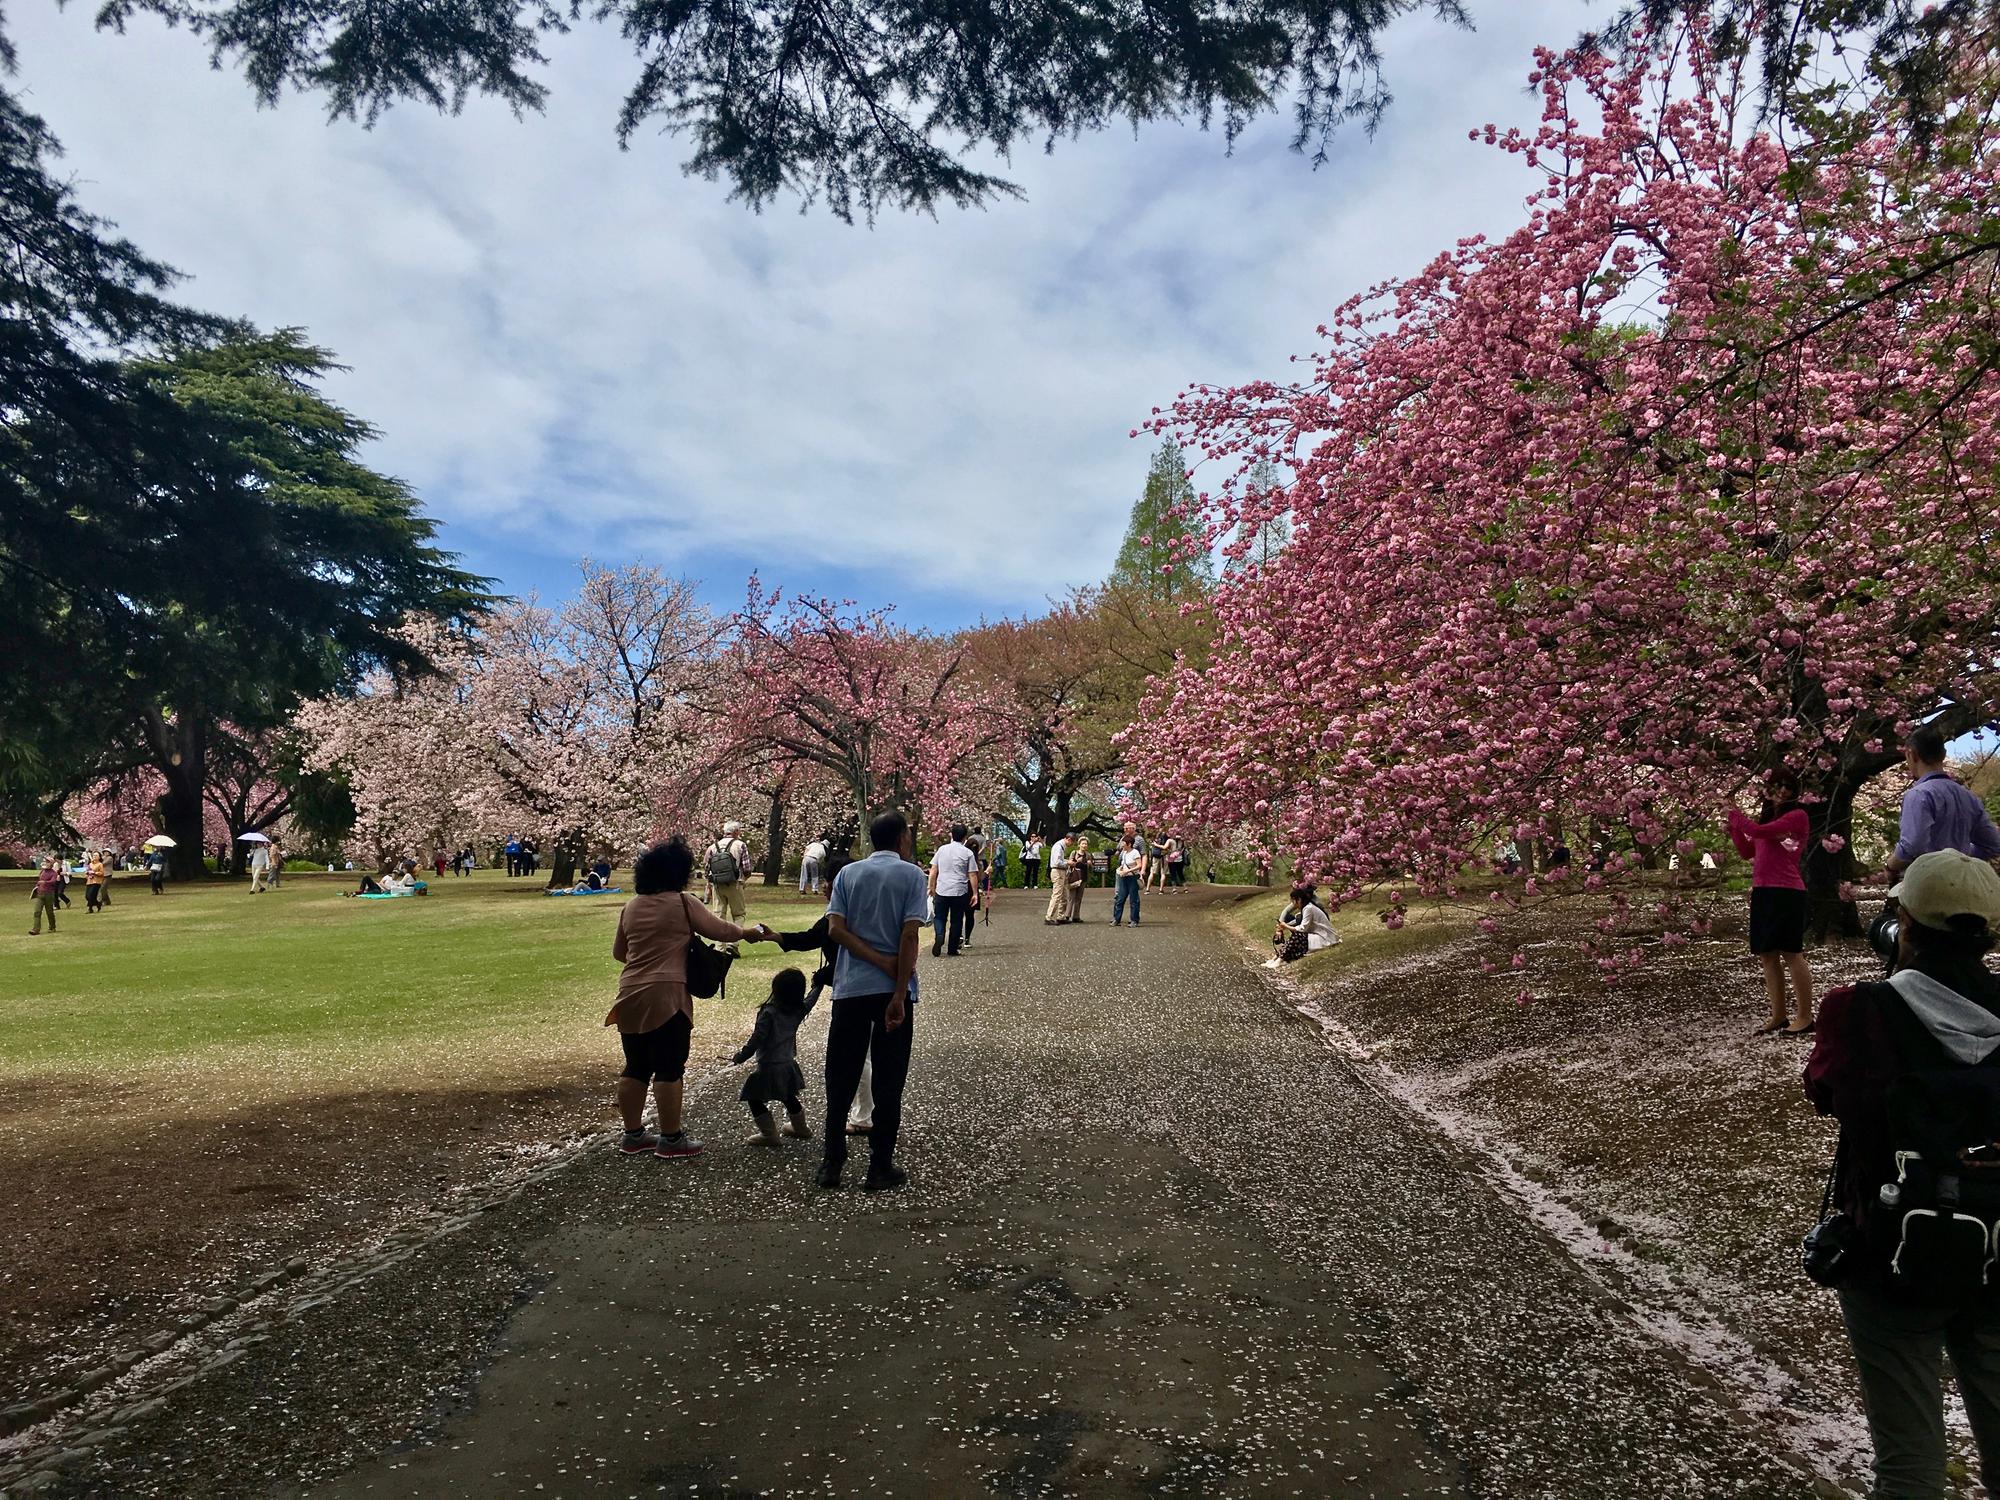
{"x":723,"y":867}
{"x":1938,"y":1220}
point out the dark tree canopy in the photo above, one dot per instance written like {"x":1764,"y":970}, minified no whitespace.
{"x":864,"y":104}
{"x":887,"y":104}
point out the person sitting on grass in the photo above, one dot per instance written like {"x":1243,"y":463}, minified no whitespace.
{"x":774,"y":1043}
{"x":654,"y":1012}
{"x":1303,"y":927}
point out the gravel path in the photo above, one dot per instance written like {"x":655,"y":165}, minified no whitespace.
{"x":1158,"y":1240}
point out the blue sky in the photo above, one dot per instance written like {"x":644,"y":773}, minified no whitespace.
{"x":572,"y":350}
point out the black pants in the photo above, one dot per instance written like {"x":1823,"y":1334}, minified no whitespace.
{"x":1031,"y":874}
{"x":92,"y":896}
{"x":857,"y":1033}
{"x":953,"y":919}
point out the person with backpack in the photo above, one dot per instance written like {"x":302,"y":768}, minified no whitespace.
{"x":1910,"y":1066}
{"x":655,"y":1009}
{"x":726,"y":866}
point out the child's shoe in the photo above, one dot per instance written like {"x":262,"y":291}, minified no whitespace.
{"x":638,"y":1142}
{"x":767,"y":1131}
{"x":798,"y":1130}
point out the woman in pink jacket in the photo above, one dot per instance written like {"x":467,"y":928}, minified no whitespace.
{"x":1775,"y":844}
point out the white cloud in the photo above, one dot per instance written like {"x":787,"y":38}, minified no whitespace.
{"x":576,"y":349}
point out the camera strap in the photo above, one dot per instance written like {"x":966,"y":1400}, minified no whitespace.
{"x":1832,"y":1175}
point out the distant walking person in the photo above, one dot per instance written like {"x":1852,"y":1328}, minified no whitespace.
{"x":876,"y":915}
{"x":954,"y":868}
{"x":1058,"y":911}
{"x":277,"y":864}
{"x":1131,"y":879}
{"x":1031,"y":863}
{"x":514,"y":855}
{"x":156,"y":868}
{"x":1775,"y":843}
{"x":260,"y":867}
{"x":1075,"y":878}
{"x":726,"y":866}
{"x":48,"y":881}
{"x":93,"y":882}
{"x":1939,"y":812}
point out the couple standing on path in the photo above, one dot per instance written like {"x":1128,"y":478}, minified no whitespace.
{"x":874,"y":916}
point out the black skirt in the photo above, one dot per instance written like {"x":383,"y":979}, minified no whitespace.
{"x":1777,"y":920}
{"x":781,"y":1083}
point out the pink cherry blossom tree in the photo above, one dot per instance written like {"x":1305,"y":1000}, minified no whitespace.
{"x":1689,"y":476}
{"x":894,"y":716}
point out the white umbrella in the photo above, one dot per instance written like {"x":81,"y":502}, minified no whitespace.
{"x":161,"y":841}
{"x":251,"y":838}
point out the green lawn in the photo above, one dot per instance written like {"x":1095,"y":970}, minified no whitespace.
{"x":485,"y":976}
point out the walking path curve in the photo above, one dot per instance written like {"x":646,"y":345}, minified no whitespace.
{"x":1158,"y":1240}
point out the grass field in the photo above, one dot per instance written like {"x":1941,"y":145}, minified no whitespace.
{"x":197,"y":1086}
{"x":306,"y":981}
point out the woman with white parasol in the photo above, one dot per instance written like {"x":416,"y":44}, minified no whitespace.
{"x":156,"y":860}
{"x":260,"y":860}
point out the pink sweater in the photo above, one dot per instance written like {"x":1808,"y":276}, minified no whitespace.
{"x":1774,"y":849}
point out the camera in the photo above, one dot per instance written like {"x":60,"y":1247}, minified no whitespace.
{"x":1884,"y":931}
{"x":1828,"y":1249}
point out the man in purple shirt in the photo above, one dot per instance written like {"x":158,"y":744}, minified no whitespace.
{"x":1938,"y":812}
{"x":48,"y":881}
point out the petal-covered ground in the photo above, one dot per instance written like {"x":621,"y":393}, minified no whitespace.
{"x":1159,"y":1239}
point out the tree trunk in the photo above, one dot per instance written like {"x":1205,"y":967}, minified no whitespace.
{"x":181,"y":758}
{"x":774,"y":838}
{"x":1829,"y":914}
{"x":564,"y":858}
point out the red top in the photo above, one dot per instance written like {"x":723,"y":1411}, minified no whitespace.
{"x":46,"y":881}
{"x":1774,"y":849}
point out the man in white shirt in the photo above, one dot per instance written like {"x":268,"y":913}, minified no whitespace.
{"x":1058,"y":883}
{"x":811,"y":865}
{"x":260,"y":866}
{"x":952,"y":869}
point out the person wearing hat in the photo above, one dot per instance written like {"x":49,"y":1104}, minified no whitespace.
{"x":726,"y":866}
{"x":1940,"y":1010}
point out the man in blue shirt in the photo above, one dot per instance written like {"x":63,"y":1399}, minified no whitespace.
{"x":1939,"y":812}
{"x":875,"y":914}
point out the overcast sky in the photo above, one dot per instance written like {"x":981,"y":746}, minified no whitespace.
{"x":573,"y":350}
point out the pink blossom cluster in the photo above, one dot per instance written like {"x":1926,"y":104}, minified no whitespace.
{"x":1688,"y":476}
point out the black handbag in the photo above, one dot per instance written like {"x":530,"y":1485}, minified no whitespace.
{"x":707,"y":966}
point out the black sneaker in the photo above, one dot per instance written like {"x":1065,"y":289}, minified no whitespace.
{"x":937,"y":947}
{"x":829,"y":1176}
{"x":884,"y":1179}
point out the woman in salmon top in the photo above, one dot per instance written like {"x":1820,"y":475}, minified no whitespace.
{"x":655,"y":1014}
{"x":1775,"y":844}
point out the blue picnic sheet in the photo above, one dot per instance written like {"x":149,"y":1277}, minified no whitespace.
{"x":609,"y":890}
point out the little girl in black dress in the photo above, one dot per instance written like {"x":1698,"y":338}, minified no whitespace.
{"x":774,"y":1042}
